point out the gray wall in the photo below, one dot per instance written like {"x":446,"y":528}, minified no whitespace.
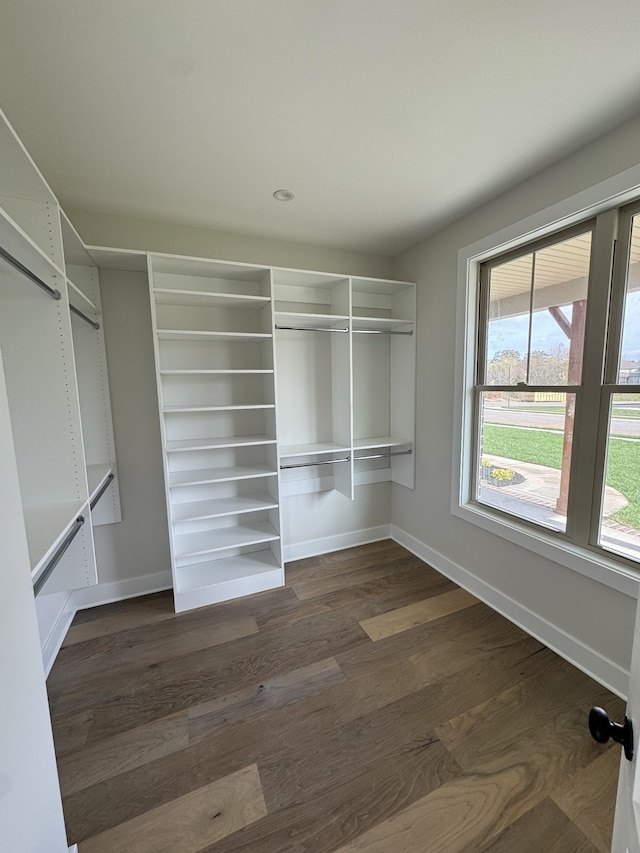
{"x":101,"y":229}
{"x":590,"y":613}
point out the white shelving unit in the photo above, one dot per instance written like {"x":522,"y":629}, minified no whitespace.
{"x":213,"y":338}
{"x":37,"y":352}
{"x":54,"y":379}
{"x":313,"y":358}
{"x":345,"y":356}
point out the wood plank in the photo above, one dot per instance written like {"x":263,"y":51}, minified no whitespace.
{"x":405,"y":618}
{"x":344,"y":810}
{"x":480,"y":734}
{"x":72,"y":733}
{"x":148,"y":693}
{"x":111,"y":618}
{"x":581,"y":797}
{"x":120,"y":753}
{"x":313,"y":587}
{"x":455,"y":818}
{"x":188,"y":823}
{"x":337,"y":562}
{"x":257,"y":700}
{"x":542,"y":828}
{"x":93,"y":660}
{"x":506,"y":785}
{"x":301,"y":768}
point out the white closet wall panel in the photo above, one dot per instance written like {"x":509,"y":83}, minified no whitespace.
{"x":45,"y":417}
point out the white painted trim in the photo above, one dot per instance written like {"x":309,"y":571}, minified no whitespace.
{"x":313,"y":547}
{"x":610,"y":193}
{"x":585,"y":658}
{"x":55,"y":638}
{"x":105,"y":593}
{"x":73,"y":848}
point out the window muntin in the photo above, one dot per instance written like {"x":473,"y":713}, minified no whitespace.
{"x":519,"y":465}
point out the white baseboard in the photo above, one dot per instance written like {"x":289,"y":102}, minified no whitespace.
{"x":106,"y":593}
{"x":313,"y":547}
{"x":605,"y":671}
{"x":55,"y":638}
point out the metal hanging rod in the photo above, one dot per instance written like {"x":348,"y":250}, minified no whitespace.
{"x":101,"y":491}
{"x":43,"y":577}
{"x":84,"y":316}
{"x":310,"y":329}
{"x":383,"y":455}
{"x":312,"y":464}
{"x":55,"y":294}
{"x":380,"y":332}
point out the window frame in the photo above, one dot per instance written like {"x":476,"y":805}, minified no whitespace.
{"x":481,"y":386}
{"x":574,"y":549}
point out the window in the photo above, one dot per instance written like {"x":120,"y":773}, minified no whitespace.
{"x":555,"y":434}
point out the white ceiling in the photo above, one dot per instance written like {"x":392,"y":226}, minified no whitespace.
{"x":387,"y":118}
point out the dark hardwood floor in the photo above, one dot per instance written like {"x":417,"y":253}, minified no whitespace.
{"x":368,"y":705}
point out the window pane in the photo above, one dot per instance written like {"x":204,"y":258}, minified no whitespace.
{"x":537,"y":311}
{"x":629,"y":369}
{"x":508,"y":327}
{"x":522,"y":445}
{"x":560,"y":286}
{"x":620,"y":517}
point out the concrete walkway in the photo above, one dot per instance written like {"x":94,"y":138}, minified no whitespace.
{"x":535,"y":500}
{"x":542,"y":485}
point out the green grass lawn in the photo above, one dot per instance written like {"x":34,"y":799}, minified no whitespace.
{"x":542,"y":447}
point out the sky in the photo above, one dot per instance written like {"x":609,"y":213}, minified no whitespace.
{"x":513,"y":332}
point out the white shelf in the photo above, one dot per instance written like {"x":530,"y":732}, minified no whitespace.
{"x":361,"y":323}
{"x":189,"y":545}
{"x":180,"y":265}
{"x":379,"y":441}
{"x":202,"y":476}
{"x":190,"y":335}
{"x":118,"y":259}
{"x":202,"y":298}
{"x":221,"y":507}
{"x":241,"y":408}
{"x":292,"y":450}
{"x":216,"y":372}
{"x":185,"y":445}
{"x":308,"y":319}
{"x":80,"y":299}
{"x":222,"y":579}
{"x":47,"y":526}
{"x":24,"y":249}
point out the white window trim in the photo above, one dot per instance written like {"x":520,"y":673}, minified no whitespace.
{"x":613,"y":192}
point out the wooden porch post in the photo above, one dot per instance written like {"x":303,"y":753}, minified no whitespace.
{"x":575,"y":332}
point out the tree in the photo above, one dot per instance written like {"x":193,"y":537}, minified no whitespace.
{"x":506,"y":367}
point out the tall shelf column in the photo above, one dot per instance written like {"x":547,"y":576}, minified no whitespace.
{"x":213,"y":339}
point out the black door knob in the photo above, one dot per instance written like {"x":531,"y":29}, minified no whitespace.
{"x":602,"y":729}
